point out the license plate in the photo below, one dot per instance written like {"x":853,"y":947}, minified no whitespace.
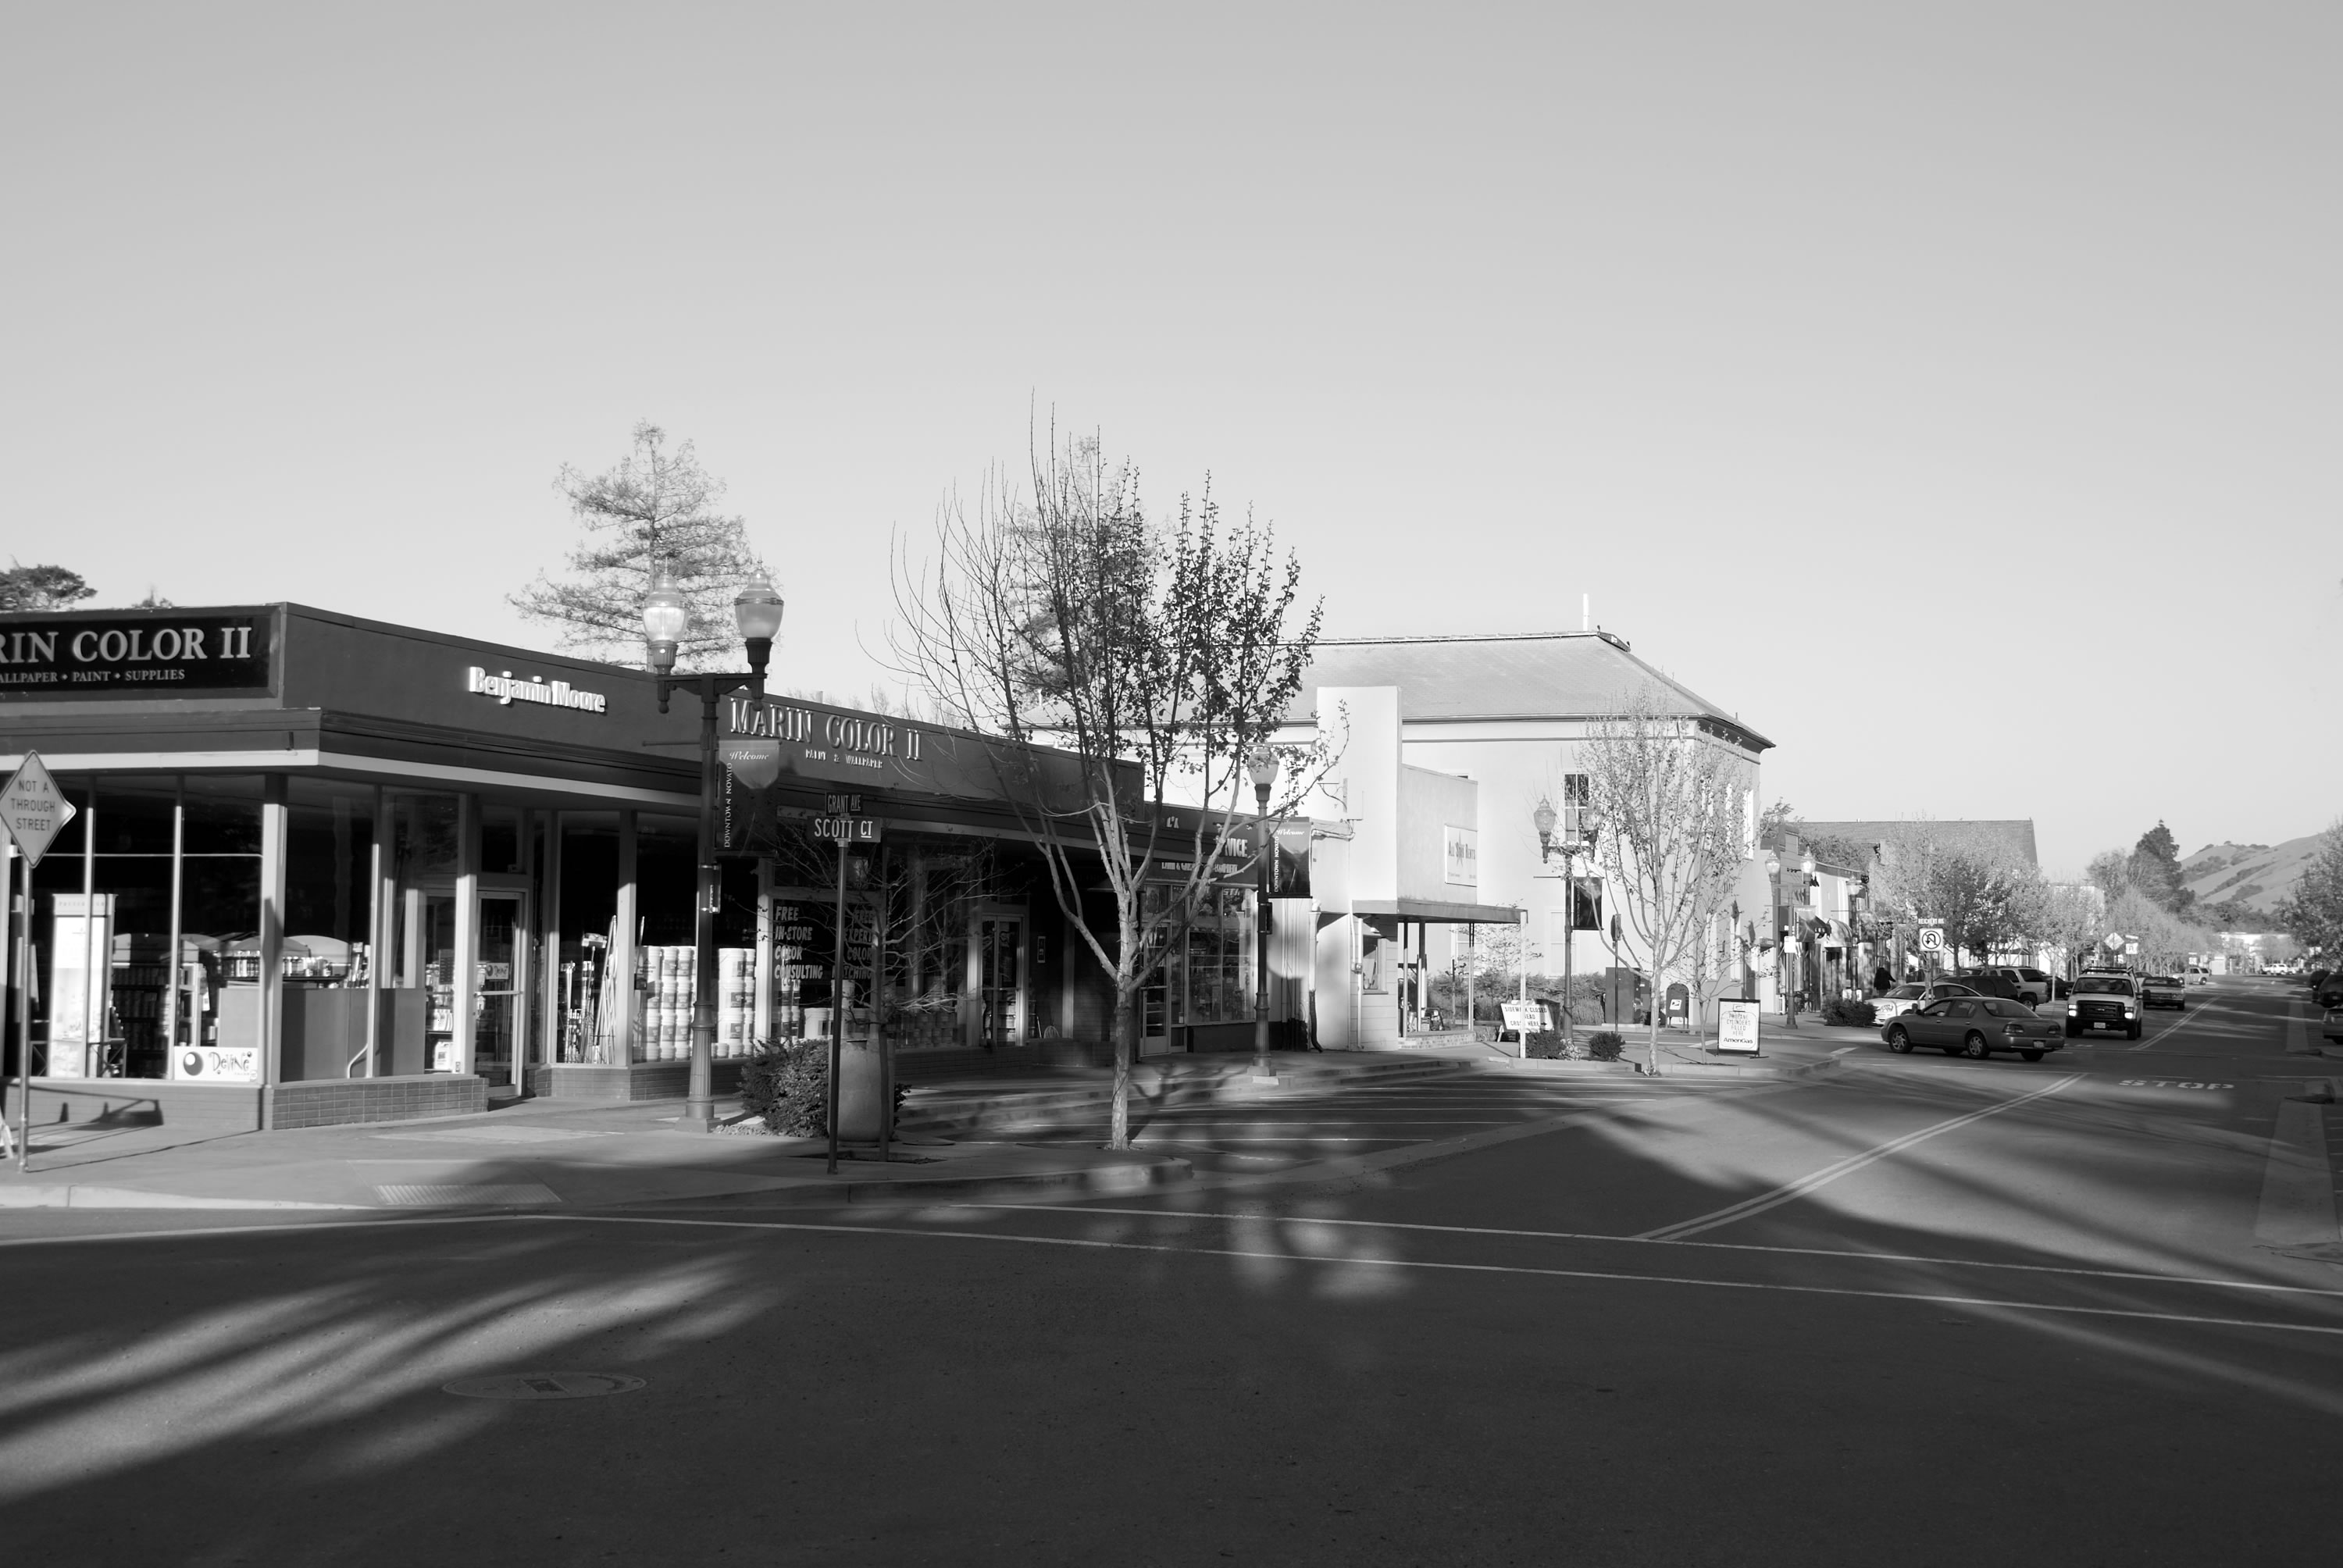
{"x":2102,"y":1024}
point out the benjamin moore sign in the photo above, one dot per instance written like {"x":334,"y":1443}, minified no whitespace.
{"x":71,"y":656}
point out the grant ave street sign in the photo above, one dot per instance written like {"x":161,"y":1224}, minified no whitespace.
{"x":34,"y":808}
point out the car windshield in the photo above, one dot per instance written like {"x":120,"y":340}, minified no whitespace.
{"x":1947,"y":987}
{"x":1906,"y":993}
{"x":2102,"y":985}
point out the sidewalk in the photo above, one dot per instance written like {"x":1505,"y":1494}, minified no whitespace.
{"x":537,"y":1155}
{"x":1812,"y":1047}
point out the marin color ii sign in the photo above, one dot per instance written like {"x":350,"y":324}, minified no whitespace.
{"x":72,"y":656}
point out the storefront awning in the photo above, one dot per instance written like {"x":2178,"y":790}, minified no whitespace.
{"x":1437,"y":911}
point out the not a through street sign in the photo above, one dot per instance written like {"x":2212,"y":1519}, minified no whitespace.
{"x":34,"y":808}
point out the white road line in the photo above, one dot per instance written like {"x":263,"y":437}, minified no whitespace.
{"x":1706,"y":1246}
{"x":2168,"y":1028}
{"x":2298,"y":1030}
{"x":1091,"y":1244}
{"x":1790,"y":1191}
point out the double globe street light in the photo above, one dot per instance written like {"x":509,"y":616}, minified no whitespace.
{"x":1544,"y":820}
{"x":754,"y":760}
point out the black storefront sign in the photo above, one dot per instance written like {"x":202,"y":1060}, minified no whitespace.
{"x":73,"y":655}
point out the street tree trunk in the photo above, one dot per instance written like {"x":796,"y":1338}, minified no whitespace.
{"x":1118,"y":1134}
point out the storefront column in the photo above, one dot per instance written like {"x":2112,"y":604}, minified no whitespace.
{"x":761,"y":1026}
{"x":525,"y":947}
{"x":271,"y":1043}
{"x":378,"y":930}
{"x":622,"y":953}
{"x":172,"y":969}
{"x":466,"y":980}
{"x":549,"y":1029}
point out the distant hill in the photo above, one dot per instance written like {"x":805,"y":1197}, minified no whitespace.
{"x":2259,"y":875}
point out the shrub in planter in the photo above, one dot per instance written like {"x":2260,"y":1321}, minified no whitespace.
{"x":1545,"y":1045}
{"x":1605,"y":1044}
{"x":785,"y":1085}
{"x":1840,"y":1010}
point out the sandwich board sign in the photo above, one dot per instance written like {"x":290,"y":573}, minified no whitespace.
{"x":1522,"y":1018}
{"x":1736,"y":1027}
{"x":34,"y":808}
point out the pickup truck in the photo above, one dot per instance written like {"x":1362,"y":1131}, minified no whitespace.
{"x":2102,"y":1004}
{"x":2164,"y":991}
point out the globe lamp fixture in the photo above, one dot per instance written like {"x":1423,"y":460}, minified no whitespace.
{"x":1261,"y":763}
{"x":666,"y":618}
{"x":757,"y":610}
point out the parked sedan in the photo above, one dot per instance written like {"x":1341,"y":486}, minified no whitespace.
{"x":1975,"y":1026}
{"x":1910,"y":997}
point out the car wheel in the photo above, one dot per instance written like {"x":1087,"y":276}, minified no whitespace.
{"x":2132,"y":1033}
{"x":1897,"y":1041}
{"x":1975,"y":1047}
{"x":2031,"y":1055}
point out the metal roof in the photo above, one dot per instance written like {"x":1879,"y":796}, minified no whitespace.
{"x":1542,"y":675}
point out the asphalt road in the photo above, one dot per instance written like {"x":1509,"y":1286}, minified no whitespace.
{"x":1922,"y":1310}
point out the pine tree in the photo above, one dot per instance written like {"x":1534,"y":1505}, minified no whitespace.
{"x":2154,"y":869}
{"x":42,"y":587}
{"x":657,"y":506}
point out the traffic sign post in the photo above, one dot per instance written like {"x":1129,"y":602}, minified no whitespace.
{"x":33,"y":812}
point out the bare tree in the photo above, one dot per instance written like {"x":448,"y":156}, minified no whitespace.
{"x":656,"y":507}
{"x":1666,"y":799}
{"x":1984,"y":895}
{"x":1154,"y":654}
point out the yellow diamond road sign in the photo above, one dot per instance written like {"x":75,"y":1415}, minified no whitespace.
{"x":34,"y":808}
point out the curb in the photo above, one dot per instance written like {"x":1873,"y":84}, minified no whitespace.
{"x":79,"y":1196}
{"x":1104,"y":1181}
{"x":1098,"y":1180}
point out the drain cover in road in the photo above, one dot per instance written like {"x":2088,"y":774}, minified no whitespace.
{"x":544,"y":1385}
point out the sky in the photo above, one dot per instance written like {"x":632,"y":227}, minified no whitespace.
{"x":1954,"y":393}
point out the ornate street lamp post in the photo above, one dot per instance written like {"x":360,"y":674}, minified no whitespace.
{"x":755,"y":760}
{"x":1261,"y":763}
{"x":1784,"y":970}
{"x":1572,"y":844}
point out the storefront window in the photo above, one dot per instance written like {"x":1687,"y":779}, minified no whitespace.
{"x":104,"y":1003}
{"x":1213,"y":957}
{"x":328,"y":873}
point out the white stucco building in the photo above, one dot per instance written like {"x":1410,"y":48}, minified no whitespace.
{"x":1509,"y":714}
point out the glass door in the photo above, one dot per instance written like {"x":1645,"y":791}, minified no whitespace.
{"x":495,"y":1003}
{"x":999,"y":958}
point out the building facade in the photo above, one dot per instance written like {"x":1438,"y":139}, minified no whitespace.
{"x":330,"y":870}
{"x":1510,"y":715}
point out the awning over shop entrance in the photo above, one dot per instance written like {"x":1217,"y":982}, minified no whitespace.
{"x":1439,"y":911}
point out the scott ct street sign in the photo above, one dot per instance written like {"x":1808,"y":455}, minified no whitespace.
{"x":34,"y":808}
